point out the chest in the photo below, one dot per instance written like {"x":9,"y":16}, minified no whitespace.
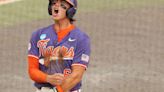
{"x":50,"y":47}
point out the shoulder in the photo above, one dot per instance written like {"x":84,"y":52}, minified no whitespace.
{"x":79,"y":34}
{"x":40,"y":31}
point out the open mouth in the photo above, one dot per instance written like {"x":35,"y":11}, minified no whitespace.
{"x":56,"y":11}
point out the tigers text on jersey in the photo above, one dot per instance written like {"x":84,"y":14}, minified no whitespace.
{"x":73,"y":49}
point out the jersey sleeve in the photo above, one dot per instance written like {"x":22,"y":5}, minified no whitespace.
{"x":33,"y":50}
{"x":82,"y":53}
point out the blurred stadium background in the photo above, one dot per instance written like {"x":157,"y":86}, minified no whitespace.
{"x":127,"y":43}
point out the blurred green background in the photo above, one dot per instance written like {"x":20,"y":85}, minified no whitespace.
{"x":30,"y":10}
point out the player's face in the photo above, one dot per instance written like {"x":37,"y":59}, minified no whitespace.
{"x":59,"y":9}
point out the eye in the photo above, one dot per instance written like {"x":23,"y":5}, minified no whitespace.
{"x":54,"y":2}
{"x":63,"y":6}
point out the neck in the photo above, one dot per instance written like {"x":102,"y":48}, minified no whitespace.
{"x":62,"y":24}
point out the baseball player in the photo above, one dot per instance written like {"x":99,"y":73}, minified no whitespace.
{"x":58,"y":55}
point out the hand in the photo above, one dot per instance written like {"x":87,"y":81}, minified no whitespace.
{"x":55,"y":79}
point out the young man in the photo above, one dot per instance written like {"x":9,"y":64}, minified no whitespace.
{"x":58,"y":55}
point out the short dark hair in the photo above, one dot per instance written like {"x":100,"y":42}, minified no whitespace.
{"x":72,"y":20}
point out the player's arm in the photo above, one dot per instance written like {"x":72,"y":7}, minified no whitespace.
{"x":33,"y":64}
{"x":39,"y":76}
{"x":74,"y":78}
{"x":33,"y":70}
{"x":80,"y":63}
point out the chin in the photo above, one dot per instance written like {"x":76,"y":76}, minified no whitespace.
{"x":58,"y":19}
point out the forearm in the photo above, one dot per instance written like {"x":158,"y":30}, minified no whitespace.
{"x":70,"y":81}
{"x":73,"y":79}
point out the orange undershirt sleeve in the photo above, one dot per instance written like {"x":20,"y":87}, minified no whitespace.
{"x":34,"y":72}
